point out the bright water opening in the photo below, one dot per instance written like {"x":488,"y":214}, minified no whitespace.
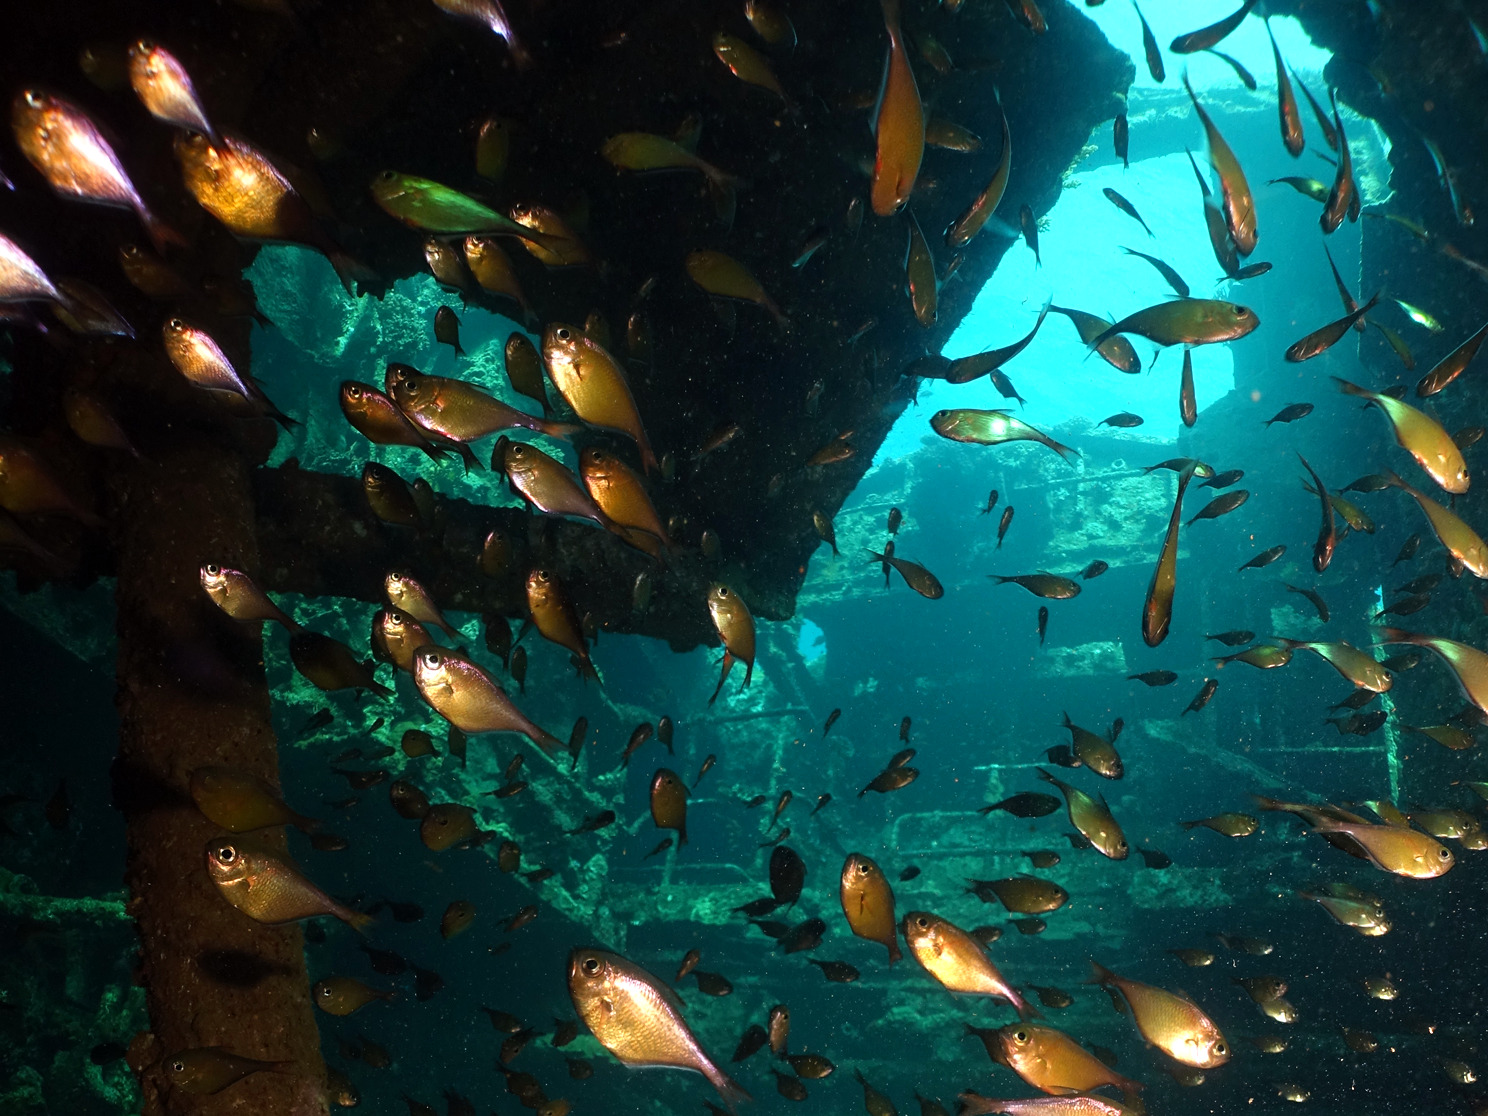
{"x":811,"y":644}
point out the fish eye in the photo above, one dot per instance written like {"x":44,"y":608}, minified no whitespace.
{"x":590,"y":965}
{"x":175,"y":325}
{"x":1020,"y":1036}
{"x":212,"y":570}
{"x":226,"y":854}
{"x":178,"y":1066}
{"x":1446,"y":854}
{"x":922,"y":922}
{"x":562,"y":334}
{"x":431,"y":658}
{"x":723,"y":592}
{"x":386,"y":176}
{"x":325,"y":991}
{"x":33,"y":98}
{"x":353,"y":391}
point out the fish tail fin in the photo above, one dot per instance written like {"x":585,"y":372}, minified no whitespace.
{"x":467,"y":455}
{"x":162,"y":235}
{"x":894,"y":952}
{"x":1099,"y":974}
{"x":728,"y":665}
{"x":351,"y":271}
{"x":1264,"y":803}
{"x":1045,"y":776}
{"x":731,"y":1091}
{"x":873,"y":555}
{"x":355,"y":919}
{"x":1352,"y":389}
{"x":556,"y":429}
{"x":1399,"y":635}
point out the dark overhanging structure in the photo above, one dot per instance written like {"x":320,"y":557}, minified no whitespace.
{"x":370,"y":78}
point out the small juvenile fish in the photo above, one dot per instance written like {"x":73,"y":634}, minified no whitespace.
{"x":1290,"y":413}
{"x":1226,"y":825}
{"x":211,"y":1069}
{"x":1169,"y":274}
{"x":164,"y":88}
{"x":345,"y":995}
{"x":263,"y":884}
{"x":1003,"y":524}
{"x":1201,"y":699}
{"x":1131,"y":211}
{"x":892,"y":779}
{"x":1221,"y":505}
{"x":916,"y":576}
{"x":241,"y":802}
{"x":1154,"y":678}
{"x":1028,"y":804}
{"x":1123,"y":419}
{"x":236,"y":594}
{"x":1046,"y":585}
{"x":1313,"y":596}
{"x":1265,"y":557}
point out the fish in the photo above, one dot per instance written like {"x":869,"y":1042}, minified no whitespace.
{"x":1155,"y":65}
{"x":330,"y":665}
{"x":374,"y":416}
{"x":1206,"y":37}
{"x":1226,"y":825}
{"x":916,"y":576}
{"x":344,"y":995}
{"x":195,"y":354}
{"x":1172,"y":277}
{"x":919,"y":274}
{"x":240,"y":802}
{"x":1029,"y":226}
{"x":253,"y":199}
{"x":972,"y":1103}
{"x":1343,"y":195}
{"x":899,"y":124}
{"x":1092,"y":817}
{"x":1347,"y":909}
{"x":164,"y":87}
{"x":1043,"y":623}
{"x":1327,"y":540}
{"x":236,"y":594}
{"x":1154,"y":678}
{"x":1421,"y":436}
{"x":1003,"y":524}
{"x":468,"y":698}
{"x":1420,"y":317}
{"x":734,"y":624}
{"x":592,"y":383}
{"x":1461,"y":541}
{"x":892,"y":779}
{"x":770,"y":23}
{"x":1021,"y":894}
{"x":1051,"y":1061}
{"x":1354,"y":665}
{"x":1185,"y":321}
{"x":455,"y":410}
{"x":1450,"y":366}
{"x":1322,"y":339}
{"x":209,"y":1070}
{"x":1201,"y":699}
{"x":407,"y":596}
{"x":747,"y":64}
{"x":266,"y":886}
{"x":1121,"y":139}
{"x":1116,"y":350}
{"x":1221,"y":505}
{"x":1307,"y":187}
{"x":492,"y":16}
{"x":447,"y":329}
{"x":1290,"y":413}
{"x":639,"y":1020}
{"x":723,"y":277}
{"x":1468,"y":665}
{"x":1028,"y":804}
{"x":21,"y":278}
{"x":593,"y":823}
{"x":965,"y":369}
{"x":547,"y":485}
{"x":1172,"y":1022}
{"x":1265,"y":557}
{"x":868,"y":903}
{"x":961,"y":231}
{"x":669,"y":803}
{"x":1264,"y":656}
{"x":643,"y":151}
{"x":957,"y":961}
{"x":1236,"y":198}
{"x":1157,"y":607}
{"x":431,"y":207}
{"x":991,"y":428}
{"x":1131,"y":211}
{"x":63,"y":143}
{"x":1043,"y":585}
{"x":1324,"y":123}
{"x":1094,"y":751}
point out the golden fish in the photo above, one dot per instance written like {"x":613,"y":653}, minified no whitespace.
{"x":669,"y":803}
{"x":445,"y":825}
{"x":210,"y":1069}
{"x":1092,"y":818}
{"x":240,"y":802}
{"x":1468,"y":664}
{"x":1450,"y":367}
{"x":1343,"y":197}
{"x":150,"y":275}
{"x":1116,"y":350}
{"x":373,"y":415}
{"x":447,"y":264}
{"x":458,"y":917}
{"x":329,"y":664}
{"x":1355,"y":666}
{"x":1185,"y":321}
{"x":397,"y":637}
{"x":235,"y":593}
{"x":770,"y":23}
{"x":492,"y":16}
{"x":1461,"y":541}
{"x":594,"y":385}
{"x":1171,"y":1022}
{"x":1286,"y":102}
{"x":198,"y":357}
{"x":952,"y":137}
{"x":1367,"y":917}
{"x":619,"y":491}
{"x":638,"y":1019}
{"x":984,"y":204}
{"x":91,"y":420}
{"x":550,"y":240}
{"x":1157,"y":608}
{"x":554,"y":617}
{"x":164,"y":88}
{"x":344,"y":995}
{"x":1239,"y":205}
{"x":241,"y":187}
{"x":524,"y":369}
{"x":29,"y":486}
{"x":468,"y":698}
{"x":68,"y":149}
{"x":746,"y":64}
{"x":493,"y":148}
{"x":265,"y":885}
{"x":899,"y":124}
{"x":493,"y":270}
{"x":406,"y":595}
{"x":21,"y":278}
{"x":1322,"y":339}
{"x":868,"y":902}
{"x":1087,"y":1104}
{"x":1021,"y":894}
{"x":1401,"y":852}
{"x":1052,"y":1062}
{"x":919,"y":275}
{"x":86,"y":310}
{"x":1421,"y":436}
{"x":548,"y":485}
{"x":389,"y":496}
{"x":957,"y":960}
{"x":460,"y":411}
{"x":725,"y":277}
{"x":735,"y":626}
{"x":642,"y":151}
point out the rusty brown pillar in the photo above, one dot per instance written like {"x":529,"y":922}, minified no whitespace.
{"x":191,"y":692}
